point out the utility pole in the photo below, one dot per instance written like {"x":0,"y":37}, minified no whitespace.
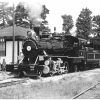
{"x":13,"y":47}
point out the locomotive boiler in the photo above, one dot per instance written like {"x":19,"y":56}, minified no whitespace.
{"x":48,"y":56}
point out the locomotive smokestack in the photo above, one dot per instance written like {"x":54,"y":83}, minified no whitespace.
{"x":37,"y":30}
{"x":54,"y":29}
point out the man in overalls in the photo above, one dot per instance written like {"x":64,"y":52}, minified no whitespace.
{"x":4,"y":65}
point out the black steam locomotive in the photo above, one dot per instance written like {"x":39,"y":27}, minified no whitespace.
{"x":57,"y":54}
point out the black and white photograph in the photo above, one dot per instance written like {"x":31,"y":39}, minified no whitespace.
{"x":49,"y":49}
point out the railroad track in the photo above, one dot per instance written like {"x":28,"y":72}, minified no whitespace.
{"x":86,"y":90}
{"x":12,"y":82}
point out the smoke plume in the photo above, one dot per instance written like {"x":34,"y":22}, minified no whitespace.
{"x":33,"y":6}
{"x":34,"y":10}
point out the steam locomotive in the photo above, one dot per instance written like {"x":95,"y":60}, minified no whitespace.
{"x":55,"y":55}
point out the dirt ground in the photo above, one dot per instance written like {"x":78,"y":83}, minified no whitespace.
{"x":5,"y":75}
{"x":60,"y":87}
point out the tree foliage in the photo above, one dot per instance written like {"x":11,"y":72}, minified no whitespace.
{"x":84,"y":23}
{"x":44,"y":25}
{"x":96,"y":24}
{"x":21,"y":16}
{"x":5,"y":14}
{"x":44,"y":12}
{"x":67,"y":23}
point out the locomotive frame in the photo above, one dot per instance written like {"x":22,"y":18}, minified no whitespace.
{"x":83,"y":62}
{"x":70,"y":64}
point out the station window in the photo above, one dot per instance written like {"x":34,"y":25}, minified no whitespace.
{"x":2,"y":47}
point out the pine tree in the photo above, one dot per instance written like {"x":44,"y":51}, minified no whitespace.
{"x":44,"y":25}
{"x":84,"y":23}
{"x":96,"y":25}
{"x":67,"y":23}
{"x":5,"y":14}
{"x":21,"y":16}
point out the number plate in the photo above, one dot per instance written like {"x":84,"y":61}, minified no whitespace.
{"x":41,"y":58}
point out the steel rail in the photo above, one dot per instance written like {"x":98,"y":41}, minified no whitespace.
{"x":75,"y":97}
{"x":14,"y":82}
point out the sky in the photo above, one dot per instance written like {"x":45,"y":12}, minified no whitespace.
{"x":60,"y":7}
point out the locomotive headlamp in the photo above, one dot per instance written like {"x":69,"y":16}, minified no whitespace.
{"x":46,"y":62}
{"x":28,"y":48}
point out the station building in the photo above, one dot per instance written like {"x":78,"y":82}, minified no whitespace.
{"x":6,"y":43}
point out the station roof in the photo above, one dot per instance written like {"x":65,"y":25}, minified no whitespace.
{"x":19,"y":31}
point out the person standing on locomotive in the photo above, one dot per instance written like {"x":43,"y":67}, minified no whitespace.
{"x":29,"y":34}
{"x":32,"y":34}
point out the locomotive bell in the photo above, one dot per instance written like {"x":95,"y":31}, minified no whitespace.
{"x":29,"y":34}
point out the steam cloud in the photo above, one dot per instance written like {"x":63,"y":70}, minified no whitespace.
{"x":34,"y":10}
